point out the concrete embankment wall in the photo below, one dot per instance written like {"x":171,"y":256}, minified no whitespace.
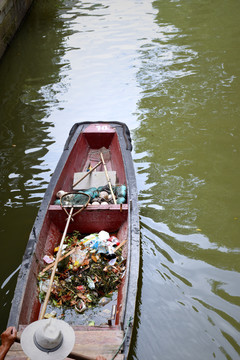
{"x":12,"y":13}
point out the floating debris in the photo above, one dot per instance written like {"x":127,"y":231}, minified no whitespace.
{"x":48,"y":259}
{"x":52,"y":314}
{"x":88,"y":275}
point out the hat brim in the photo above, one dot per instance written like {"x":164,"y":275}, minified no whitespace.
{"x":31,"y":350}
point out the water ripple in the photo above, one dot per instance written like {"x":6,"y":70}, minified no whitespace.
{"x":188,"y":286}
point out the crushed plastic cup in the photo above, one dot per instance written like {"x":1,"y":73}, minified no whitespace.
{"x":44,"y":285}
{"x":114,"y":240}
{"x":48,"y":259}
{"x":90,"y":283}
{"x":103,"y":235}
{"x":78,"y":257}
{"x":112,"y":261}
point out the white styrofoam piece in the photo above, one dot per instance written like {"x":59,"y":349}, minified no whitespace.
{"x":95,"y":179}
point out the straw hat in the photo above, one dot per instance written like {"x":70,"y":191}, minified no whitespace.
{"x":48,"y":339}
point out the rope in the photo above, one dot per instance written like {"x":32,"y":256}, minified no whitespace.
{"x":126,"y":331}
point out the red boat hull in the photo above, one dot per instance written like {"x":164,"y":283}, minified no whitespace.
{"x":122,"y":220}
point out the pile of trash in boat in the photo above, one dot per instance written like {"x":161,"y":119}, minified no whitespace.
{"x":91,"y":270}
{"x":98,"y":196}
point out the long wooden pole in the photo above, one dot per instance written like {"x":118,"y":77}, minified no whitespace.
{"x":43,"y":310}
{"x":108,"y":180}
{"x":89,"y":172}
{"x":61,"y":258}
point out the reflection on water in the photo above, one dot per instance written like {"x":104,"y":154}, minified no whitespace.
{"x":25,"y":106}
{"x":32,"y":74}
{"x":188,"y":296}
{"x":170,"y":70}
{"x":187,"y":149}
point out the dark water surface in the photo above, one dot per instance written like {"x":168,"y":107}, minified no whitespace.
{"x":170,"y":70}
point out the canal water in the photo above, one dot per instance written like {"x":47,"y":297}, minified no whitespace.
{"x":170,"y":70}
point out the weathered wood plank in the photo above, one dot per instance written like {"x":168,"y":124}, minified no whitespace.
{"x":93,"y":343}
{"x":88,"y":343}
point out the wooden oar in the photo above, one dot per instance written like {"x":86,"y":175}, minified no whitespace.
{"x":89,"y":172}
{"x":43,"y":310}
{"x":108,"y":179}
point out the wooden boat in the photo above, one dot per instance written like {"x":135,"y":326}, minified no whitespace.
{"x":122,"y":219}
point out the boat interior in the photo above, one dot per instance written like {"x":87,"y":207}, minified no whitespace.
{"x":112,"y":218}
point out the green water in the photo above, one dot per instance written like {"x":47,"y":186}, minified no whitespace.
{"x":170,"y":70}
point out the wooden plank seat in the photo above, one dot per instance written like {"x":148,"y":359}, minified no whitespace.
{"x":89,"y":342}
{"x":91,"y":219}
